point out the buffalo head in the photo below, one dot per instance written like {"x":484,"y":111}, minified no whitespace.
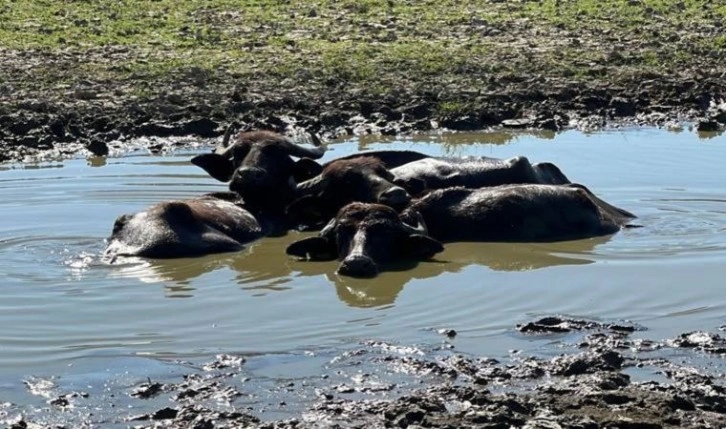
{"x":259,"y":167}
{"x":363,"y":179}
{"x":363,"y":236}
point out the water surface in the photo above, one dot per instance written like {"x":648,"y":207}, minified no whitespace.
{"x":61,"y":303}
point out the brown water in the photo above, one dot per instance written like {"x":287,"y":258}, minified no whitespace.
{"x":61,"y":306}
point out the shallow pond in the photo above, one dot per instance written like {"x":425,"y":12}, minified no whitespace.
{"x":61,"y":305}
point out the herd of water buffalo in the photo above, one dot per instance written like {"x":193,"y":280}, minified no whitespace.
{"x":373,"y":209}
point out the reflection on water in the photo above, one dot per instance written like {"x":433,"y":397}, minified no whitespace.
{"x":96,"y":161}
{"x":521,"y":256}
{"x":264,"y":267}
{"x":706,"y":135}
{"x":453,"y":144}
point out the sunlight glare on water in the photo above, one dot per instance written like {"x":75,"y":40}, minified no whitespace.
{"x":60,"y":302}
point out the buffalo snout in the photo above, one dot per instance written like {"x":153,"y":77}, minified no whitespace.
{"x":358,"y":266}
{"x":366,"y":237}
{"x":256,"y":186}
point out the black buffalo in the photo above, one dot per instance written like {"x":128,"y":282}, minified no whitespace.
{"x":516,"y":213}
{"x":507,"y":213}
{"x":212,"y":223}
{"x":369,"y":179}
{"x":364,"y":236}
{"x":259,"y":167}
{"x":389,"y":158}
{"x":363,"y":179}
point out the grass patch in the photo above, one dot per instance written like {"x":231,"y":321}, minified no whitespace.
{"x":374,"y":44}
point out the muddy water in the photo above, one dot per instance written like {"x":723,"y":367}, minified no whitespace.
{"x":61,"y":306}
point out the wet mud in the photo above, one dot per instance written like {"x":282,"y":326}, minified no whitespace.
{"x":602,"y":375}
{"x":101,"y":117}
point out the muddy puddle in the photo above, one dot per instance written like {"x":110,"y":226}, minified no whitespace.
{"x":74,"y":324}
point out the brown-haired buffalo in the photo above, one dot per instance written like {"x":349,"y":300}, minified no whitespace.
{"x":212,"y":223}
{"x":389,"y":158}
{"x":367,"y":179}
{"x":508,"y":213}
{"x":364,"y":236}
{"x":363,"y":179}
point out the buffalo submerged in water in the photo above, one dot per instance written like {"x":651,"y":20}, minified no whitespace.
{"x":369,"y":179}
{"x":260,"y":170}
{"x":259,"y":166}
{"x":363,"y":236}
{"x":359,"y":235}
{"x":212,"y":223}
{"x":270,"y":192}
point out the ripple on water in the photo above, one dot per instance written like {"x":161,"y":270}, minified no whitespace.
{"x":56,"y":255}
{"x":685,"y":227}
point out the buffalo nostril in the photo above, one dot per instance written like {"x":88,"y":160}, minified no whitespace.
{"x":395,"y":197}
{"x":358,"y":266}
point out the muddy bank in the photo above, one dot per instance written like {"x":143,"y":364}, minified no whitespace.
{"x":97,"y":81}
{"x":606,"y":375}
{"x":100,"y":118}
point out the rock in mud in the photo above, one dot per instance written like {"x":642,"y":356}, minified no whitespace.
{"x":704,"y":341}
{"x":556,"y":324}
{"x":147,"y":390}
{"x":98,"y":147}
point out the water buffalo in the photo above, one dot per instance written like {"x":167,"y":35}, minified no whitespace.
{"x":507,"y":213}
{"x":471,"y":172}
{"x":366,"y":179}
{"x":389,"y":158}
{"x":363,"y":236}
{"x":212,"y":223}
{"x":259,"y":167}
{"x":363,"y":179}
{"x":511,"y":213}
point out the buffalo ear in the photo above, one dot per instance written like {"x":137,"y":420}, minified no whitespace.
{"x":422,"y":246}
{"x":305,"y":169}
{"x":313,"y":248}
{"x":413,"y":185}
{"x":217,"y":166}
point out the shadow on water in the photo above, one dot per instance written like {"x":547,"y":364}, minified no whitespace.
{"x":264,"y":267}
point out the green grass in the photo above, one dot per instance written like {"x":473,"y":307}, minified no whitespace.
{"x":372,"y":43}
